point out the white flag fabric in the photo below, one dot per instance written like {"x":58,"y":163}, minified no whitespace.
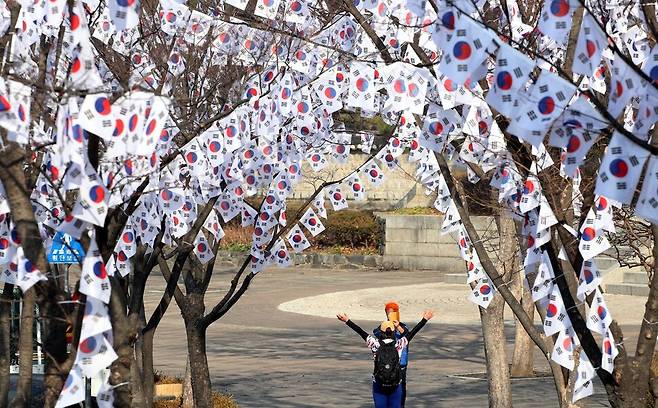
{"x":373,"y":173}
{"x":530,"y":198}
{"x":589,"y":280}
{"x":563,"y":350}
{"x":625,"y":84}
{"x":483,"y":293}
{"x":465,"y":50}
{"x":592,"y":239}
{"x":27,"y":274}
{"x":543,"y":284}
{"x":598,"y":318}
{"x":202,"y":249}
{"x":555,"y":19}
{"x":297,"y":239}
{"x":583,"y":386}
{"x":362,"y":89}
{"x":73,"y":391}
{"x":647,"y":203}
{"x":337,"y":198}
{"x":94,"y":354}
{"x":312,"y":222}
{"x":540,"y":107}
{"x":94,"y":280}
{"x":610,"y":352}
{"x":512,"y":72}
{"x":620,"y":169}
{"x":557,"y":318}
{"x":356,"y":187}
{"x":591,"y":43}
{"x":280,"y":254}
{"x":96,"y":319}
{"x":96,"y":116}
{"x":124,"y":13}
{"x":92,"y":204}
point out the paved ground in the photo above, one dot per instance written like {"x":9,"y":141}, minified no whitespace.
{"x":268,"y":357}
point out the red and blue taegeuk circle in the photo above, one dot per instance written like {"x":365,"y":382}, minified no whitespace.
{"x":97,"y":194}
{"x":546,"y":105}
{"x":559,"y":8}
{"x":88,"y":346}
{"x":99,"y":270}
{"x":462,"y":50}
{"x":619,"y":168}
{"x":102,"y":106}
{"x":362,"y":84}
{"x":574,"y":144}
{"x":504,"y":80}
{"x":589,"y":234}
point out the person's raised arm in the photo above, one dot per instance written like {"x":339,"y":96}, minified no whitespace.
{"x":344,"y":318}
{"x":427,"y":315}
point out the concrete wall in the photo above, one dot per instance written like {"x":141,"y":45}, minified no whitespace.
{"x":398,"y":190}
{"x":415,"y":242}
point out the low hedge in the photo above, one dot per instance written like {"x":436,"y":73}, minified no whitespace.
{"x":351,"y":229}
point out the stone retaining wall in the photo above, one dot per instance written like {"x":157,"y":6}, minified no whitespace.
{"x":415,"y":242}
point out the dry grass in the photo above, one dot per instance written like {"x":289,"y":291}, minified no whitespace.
{"x":161,"y":378}
{"x":416,"y":211}
{"x":218,"y":401}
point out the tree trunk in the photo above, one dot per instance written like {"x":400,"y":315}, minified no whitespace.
{"x":25,"y":347}
{"x":5,"y":338}
{"x":500,"y":392}
{"x":196,"y":345}
{"x":147,"y":360}
{"x":637,"y":374}
{"x":522,"y":360}
{"x":54,"y":323}
{"x":188,"y":394}
{"x":124,"y":337}
{"x":493,"y":327}
{"x":137,"y":375}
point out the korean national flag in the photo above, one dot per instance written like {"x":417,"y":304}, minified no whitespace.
{"x":647,"y":203}
{"x":583,"y":386}
{"x":94,"y":280}
{"x":555,"y":19}
{"x":589,"y":280}
{"x":540,"y":107}
{"x":361,"y":91}
{"x":610,"y":352}
{"x":620,"y":169}
{"x":297,"y":239}
{"x":563,"y":350}
{"x":513,"y":69}
{"x":557,"y":318}
{"x":598,"y":318}
{"x":73,"y":391}
{"x":482,"y":294}
{"x":591,"y":43}
{"x":592,"y":238}
{"x":465,"y":50}
{"x":624,"y":85}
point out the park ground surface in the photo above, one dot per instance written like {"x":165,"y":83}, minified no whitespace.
{"x":281,"y":345}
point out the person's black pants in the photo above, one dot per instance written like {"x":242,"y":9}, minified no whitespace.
{"x":403,"y":373}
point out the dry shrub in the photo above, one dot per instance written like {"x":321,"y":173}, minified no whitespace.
{"x":236,"y":236}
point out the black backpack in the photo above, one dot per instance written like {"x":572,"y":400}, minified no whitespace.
{"x":387,"y":366}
